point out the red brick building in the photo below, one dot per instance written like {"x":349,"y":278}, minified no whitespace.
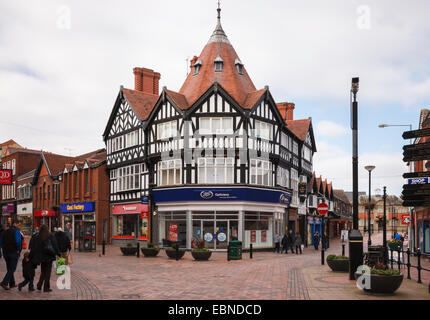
{"x":24,"y":197}
{"x":84,"y":200}
{"x":20,"y":161}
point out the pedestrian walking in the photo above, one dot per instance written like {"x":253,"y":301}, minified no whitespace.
{"x":43,"y":251}
{"x":316,"y":240}
{"x":277,"y":242}
{"x":298,"y":243}
{"x":284,"y":243}
{"x":290,"y":241}
{"x":63,"y":242}
{"x":28,"y":272}
{"x":10,"y":242}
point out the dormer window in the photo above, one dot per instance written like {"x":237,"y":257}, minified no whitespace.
{"x":219,"y":62}
{"x":239,"y":66}
{"x":197,"y":66}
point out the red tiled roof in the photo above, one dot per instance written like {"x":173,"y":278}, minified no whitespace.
{"x":324,"y":185}
{"x":179,"y":99}
{"x":237,"y":85}
{"x":9,"y":142}
{"x":252,"y":98}
{"x":56,"y":162}
{"x":340,"y":194}
{"x":91,"y":157}
{"x":299,"y":127}
{"x":141,"y":102}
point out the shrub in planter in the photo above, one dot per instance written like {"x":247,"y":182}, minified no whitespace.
{"x":383,"y":280}
{"x":129,"y":250}
{"x":200,"y":253}
{"x":338,"y":263}
{"x":395,"y":245}
{"x":151,"y":251}
{"x":174,"y":252}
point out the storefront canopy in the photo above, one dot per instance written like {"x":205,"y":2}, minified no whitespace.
{"x":45,"y":213}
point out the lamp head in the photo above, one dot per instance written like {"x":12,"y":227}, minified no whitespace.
{"x":383,"y":125}
{"x":355,"y":85}
{"x":369,"y":168}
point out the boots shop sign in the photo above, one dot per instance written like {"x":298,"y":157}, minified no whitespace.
{"x":6,"y":177}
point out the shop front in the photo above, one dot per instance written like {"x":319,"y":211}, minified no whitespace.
{"x":24,"y":212}
{"x":424,"y":236}
{"x":130,"y":222}
{"x":314,"y":225}
{"x":220,"y":215}
{"x":79,"y":222}
{"x":48,"y":217}
{"x":8,"y":213}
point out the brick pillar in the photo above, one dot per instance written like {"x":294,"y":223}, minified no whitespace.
{"x":138,"y":79}
{"x":290,"y":111}
{"x":282,"y":107}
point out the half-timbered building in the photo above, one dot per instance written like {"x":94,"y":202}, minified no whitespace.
{"x":216,"y":160}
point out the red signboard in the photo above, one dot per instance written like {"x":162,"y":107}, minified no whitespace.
{"x":263,"y":235}
{"x":406,"y":219}
{"x":253,"y":236}
{"x":132,"y":208}
{"x":45,"y":213}
{"x":5,"y":176}
{"x":173,"y":232}
{"x":322,"y":208}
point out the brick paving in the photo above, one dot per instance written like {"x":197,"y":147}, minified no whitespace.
{"x":268,"y":276}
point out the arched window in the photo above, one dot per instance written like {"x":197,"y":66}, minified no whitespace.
{"x":44,"y":190}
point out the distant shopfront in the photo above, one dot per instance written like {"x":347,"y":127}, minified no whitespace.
{"x":219,"y":215}
{"x":79,"y":222}
{"x":314,"y":225}
{"x":8,"y":213}
{"x":130,"y":222}
{"x":48,"y":217}
{"x":24,"y":214}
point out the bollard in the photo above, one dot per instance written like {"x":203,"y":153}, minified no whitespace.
{"x":409,"y":263}
{"x":177,"y":252}
{"x":228,"y":253}
{"x":398,"y":258}
{"x":419,"y":266}
{"x":103,"y":247}
{"x":322,"y":255}
{"x":250,"y":251}
{"x":392,"y":258}
{"x":138,"y":250}
{"x":343,"y":249}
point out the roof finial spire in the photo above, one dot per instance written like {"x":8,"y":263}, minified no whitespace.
{"x":219,"y":11}
{"x":218,"y":35}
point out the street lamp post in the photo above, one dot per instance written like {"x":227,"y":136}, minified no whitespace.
{"x":369,"y":168}
{"x":384,"y":228}
{"x":355,"y":236}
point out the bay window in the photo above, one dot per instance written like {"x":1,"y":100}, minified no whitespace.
{"x":263,"y":130}
{"x":219,"y":125}
{"x":128,"y":178}
{"x":261,"y":172}
{"x":170,"y":172}
{"x":216,"y":170}
{"x":131,"y":139}
{"x":283,"y":177}
{"x":167,"y":130}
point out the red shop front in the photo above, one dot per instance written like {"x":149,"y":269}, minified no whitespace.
{"x":130,"y":222}
{"x":48,"y":217}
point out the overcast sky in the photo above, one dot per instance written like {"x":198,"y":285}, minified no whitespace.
{"x":62,"y":63}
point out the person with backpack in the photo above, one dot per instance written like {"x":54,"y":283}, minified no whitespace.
{"x":63,"y":242}
{"x":43,"y":251}
{"x":11,"y":244}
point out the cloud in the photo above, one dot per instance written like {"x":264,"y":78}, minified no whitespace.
{"x":330,"y":129}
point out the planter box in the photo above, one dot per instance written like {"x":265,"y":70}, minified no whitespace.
{"x":340,"y":265}
{"x":150,"y":252}
{"x":201,"y":255}
{"x":129,"y":251}
{"x":395,"y":246}
{"x":173,"y":254}
{"x":383,"y":284}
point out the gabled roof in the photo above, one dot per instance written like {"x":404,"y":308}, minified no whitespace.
{"x":299,"y":127}
{"x":252,"y":98}
{"x":55,"y":162}
{"x":237,"y":85}
{"x":12,"y":150}
{"x":179,"y":99}
{"x":7,"y":143}
{"x":141,"y":102}
{"x":92,"y":159}
{"x":29,"y":174}
{"x":340,"y":194}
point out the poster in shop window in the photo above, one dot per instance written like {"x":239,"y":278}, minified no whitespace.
{"x":173,"y":232}
{"x":253,"y":236}
{"x":263,"y":235}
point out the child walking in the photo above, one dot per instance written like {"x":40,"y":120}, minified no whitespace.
{"x":27,"y":272}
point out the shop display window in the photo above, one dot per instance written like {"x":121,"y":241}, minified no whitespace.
{"x":125,"y":225}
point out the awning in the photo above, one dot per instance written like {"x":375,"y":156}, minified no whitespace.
{"x":45,"y":213}
{"x":133,"y":208}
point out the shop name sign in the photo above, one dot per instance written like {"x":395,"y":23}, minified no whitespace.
{"x":5,"y":176}
{"x":418,"y":181}
{"x":221,"y":194}
{"x":78,"y":207}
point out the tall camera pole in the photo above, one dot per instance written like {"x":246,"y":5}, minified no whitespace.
{"x":355,"y":236}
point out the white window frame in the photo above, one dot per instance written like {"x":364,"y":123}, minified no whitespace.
{"x":222,"y":168}
{"x":283,"y":176}
{"x":167,"y":130}
{"x":131,"y":139}
{"x":259,"y":169}
{"x":225,"y":128}
{"x":169,"y":169}
{"x":128,"y":178}
{"x":263,"y":130}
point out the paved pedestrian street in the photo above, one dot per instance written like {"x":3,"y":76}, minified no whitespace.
{"x":268,"y":276}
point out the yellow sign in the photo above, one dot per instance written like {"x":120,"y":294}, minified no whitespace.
{"x":75,"y":207}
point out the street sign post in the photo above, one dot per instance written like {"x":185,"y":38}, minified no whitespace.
{"x":418,"y":180}
{"x":322,"y":208}
{"x":406,"y":219}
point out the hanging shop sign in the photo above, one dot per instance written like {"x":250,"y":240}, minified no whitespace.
{"x":406,"y":219}
{"x":303,"y":189}
{"x":144,"y":200}
{"x":221,"y":194}
{"x":173,"y":231}
{"x":416,"y":133}
{"x":6,"y":177}
{"x":78,"y":207}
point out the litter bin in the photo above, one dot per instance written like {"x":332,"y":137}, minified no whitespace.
{"x":235,"y":250}
{"x":375,"y":254}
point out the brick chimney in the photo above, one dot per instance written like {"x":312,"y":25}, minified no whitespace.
{"x":146,"y":80}
{"x":282,"y":107}
{"x":290,"y":110}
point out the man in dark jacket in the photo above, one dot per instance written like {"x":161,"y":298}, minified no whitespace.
{"x":63,"y":243}
{"x":290,"y":241}
{"x":11,"y":243}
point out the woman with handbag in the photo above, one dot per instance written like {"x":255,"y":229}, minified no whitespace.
{"x":44,"y":250}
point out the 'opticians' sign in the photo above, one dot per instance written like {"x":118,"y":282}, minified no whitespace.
{"x":5,"y":176}
{"x":78,"y":207}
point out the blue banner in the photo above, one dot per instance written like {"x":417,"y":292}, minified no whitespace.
{"x":78,"y":207}
{"x":222,"y":194}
